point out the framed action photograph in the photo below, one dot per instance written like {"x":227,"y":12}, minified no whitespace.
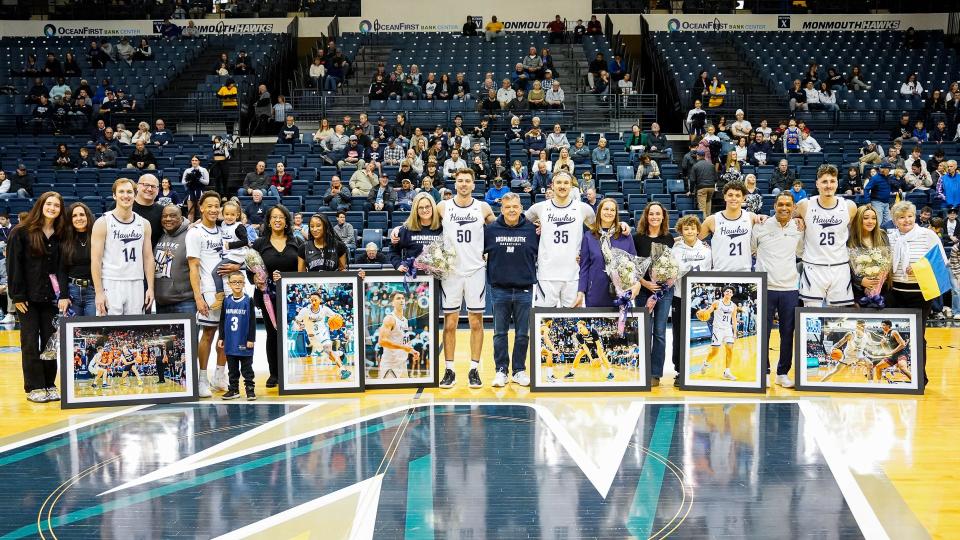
{"x":127,"y":360}
{"x":581,"y":350}
{"x":320,"y":334}
{"x":724,"y":339}
{"x":849,"y":350}
{"x":400,"y":330}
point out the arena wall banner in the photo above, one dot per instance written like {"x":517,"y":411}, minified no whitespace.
{"x":110,"y":29}
{"x":868,"y":22}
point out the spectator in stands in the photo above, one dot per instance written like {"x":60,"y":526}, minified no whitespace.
{"x":593,"y":27}
{"x":444,"y":87}
{"x":657,"y":144}
{"x":741,"y":150}
{"x":142,"y":159}
{"x":429,"y":86}
{"x":782,"y":178}
{"x":940,"y":133}
{"x":856,"y":81}
{"x":798,"y":97}
{"x":917,"y":178}
{"x":496,"y":193}
{"x":948,"y":187}
{"x":168,"y":194}
{"x":580,"y":153}
{"x":537,"y":97}
{"x":616,"y":68}
{"x":256,"y":210}
{"x":52,"y":68}
{"x":647,"y":168}
{"x":410,"y":90}
{"x":38,"y":90}
{"x":62,"y":160}
{"x":557,"y":29}
{"x":493,"y":29}
{"x":826,"y":98}
{"x":703,"y":181}
{"x":556,"y":140}
{"x":791,"y":138}
{"x":877,"y":191}
{"x":170,"y":30}
{"x":352,"y":155}
{"x":160,"y":136}
{"x":809,"y":145}
{"x":740,"y":127}
{"x":60,"y":89}
{"x":344,"y":231}
{"x":453,"y":164}
{"x":731,"y":168}
{"x":904,"y":130}
{"x":893,"y":156}
{"x":405,"y":195}
{"x":919,"y":132}
{"x":20,"y":186}
{"x":534,"y":142}
{"x":318,"y":73}
{"x":520,"y":104}
{"x":84,"y":160}
{"x":393,"y":154}
{"x":257,"y":181}
{"x":798,"y":192}
{"x":758,"y":150}
{"x":416,"y":163}
{"x":378,"y":89}
{"x":625,"y":87}
{"x":578,"y":31}
{"x":282,"y":180}
{"x":911,"y":87}
{"x":811,"y":75}
{"x":461,"y":88}
{"x":282,"y":109}
{"x":852,"y":183}
{"x":381,"y":197}
{"x":542,"y":177}
{"x":96,"y":57}
{"x":469,"y":27}
{"x":30,"y":66}
{"x":363,"y":180}
{"x":870,"y":154}
{"x":519,"y":177}
{"x":144,"y":51}
{"x":243,"y":65}
{"x":718,"y":92}
{"x":489,"y":105}
{"x":506,"y":94}
{"x":228,"y":101}
{"x":554,"y":96}
{"x":696,"y":121}
{"x":104,"y":157}
{"x":935,"y":104}
{"x":370,"y":255}
{"x":289,"y":133}
{"x":753,"y":199}
{"x":915,"y":157}
{"x":596,"y":66}
{"x":125,"y":51}
{"x":600,"y":157}
{"x":142,"y":134}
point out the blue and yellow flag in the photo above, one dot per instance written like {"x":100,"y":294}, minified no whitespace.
{"x":932,"y":274}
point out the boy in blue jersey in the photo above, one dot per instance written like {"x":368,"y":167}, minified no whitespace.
{"x":238,"y":330}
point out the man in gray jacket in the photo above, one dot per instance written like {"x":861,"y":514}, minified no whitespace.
{"x":334,"y":145}
{"x":173,"y":291}
{"x":258,"y":180}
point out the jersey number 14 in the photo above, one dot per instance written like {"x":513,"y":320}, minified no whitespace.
{"x":130,"y":254}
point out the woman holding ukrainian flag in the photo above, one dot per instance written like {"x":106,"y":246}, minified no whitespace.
{"x":920,"y":271}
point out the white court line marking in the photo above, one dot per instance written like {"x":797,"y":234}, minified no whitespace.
{"x":73,"y":427}
{"x":862,"y":512}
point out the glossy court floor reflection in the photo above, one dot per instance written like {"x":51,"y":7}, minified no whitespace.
{"x":489,"y":463}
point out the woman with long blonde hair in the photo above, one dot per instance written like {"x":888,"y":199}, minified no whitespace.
{"x":421,"y":228}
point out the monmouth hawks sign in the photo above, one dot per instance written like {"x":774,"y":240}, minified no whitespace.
{"x":796,"y":23}
{"x":111,"y":29}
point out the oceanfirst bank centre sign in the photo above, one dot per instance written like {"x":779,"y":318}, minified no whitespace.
{"x":795,"y":23}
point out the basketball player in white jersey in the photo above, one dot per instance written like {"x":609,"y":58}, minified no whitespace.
{"x":392,"y":337}
{"x":547,"y":348}
{"x":97,"y":368}
{"x":826,"y":262}
{"x":204,"y":244}
{"x":725,"y":322}
{"x":315,"y":320}
{"x":561,"y":222}
{"x":462,"y":219}
{"x":731,"y":228}
{"x":852,"y":348}
{"x":121,"y":256}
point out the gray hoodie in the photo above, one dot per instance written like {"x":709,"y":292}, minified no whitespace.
{"x":172,"y":272}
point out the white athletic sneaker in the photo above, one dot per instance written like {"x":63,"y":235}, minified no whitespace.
{"x":8,"y":319}
{"x":219,"y":382}
{"x":203,"y":389}
{"x":53,"y":394}
{"x":37,"y":396}
{"x":521,"y":378}
{"x":500,"y":380}
{"x":728,"y":376}
{"x":784,"y":381}
{"x":947,"y":312}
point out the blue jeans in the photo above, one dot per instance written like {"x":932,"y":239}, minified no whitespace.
{"x":511,"y":305}
{"x":955,"y":294}
{"x":883,"y":211}
{"x":19,"y":194}
{"x":83,"y":300}
{"x":658,"y":343}
{"x":186,"y":306}
{"x":784,"y":303}
{"x":270,"y":191}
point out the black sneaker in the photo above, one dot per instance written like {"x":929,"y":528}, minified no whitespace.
{"x":449,"y":379}
{"x":271,"y":382}
{"x":231,"y":394}
{"x":473,"y":378}
{"x":251,"y":395}
{"x":568,"y":375}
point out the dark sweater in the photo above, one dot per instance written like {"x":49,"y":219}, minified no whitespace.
{"x":28,"y":275}
{"x":511,"y":253}
{"x":411,"y":244}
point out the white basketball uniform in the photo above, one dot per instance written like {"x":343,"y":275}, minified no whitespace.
{"x":95,"y":367}
{"x":561,"y":232}
{"x":315,"y":323}
{"x":723,"y":324}
{"x":695,"y":258}
{"x":825,"y":276}
{"x":207,"y":246}
{"x":394,"y":361}
{"x":856,"y":348}
{"x":122,"y":274}
{"x":229,"y":233}
{"x":730,"y":246}
{"x":463,"y":229}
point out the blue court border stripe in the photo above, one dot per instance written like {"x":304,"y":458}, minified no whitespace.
{"x":85,"y":513}
{"x":646,"y":499}
{"x":62,"y":441}
{"x":419,"y":523}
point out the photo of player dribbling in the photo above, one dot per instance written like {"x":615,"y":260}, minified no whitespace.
{"x":582,"y":350}
{"x":400,"y":330}
{"x":857,"y":350}
{"x":319,"y":329}
{"x":724,"y":349}
{"x":125,"y":360}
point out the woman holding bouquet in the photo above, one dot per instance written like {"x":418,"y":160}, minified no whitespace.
{"x":279,"y":250}
{"x":594,"y":289}
{"x":866,"y":235}
{"x":653,"y":239}
{"x":421,"y":228}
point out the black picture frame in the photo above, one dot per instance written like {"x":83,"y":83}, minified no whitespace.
{"x":433,"y":316}
{"x":318,"y":279}
{"x":69,"y":382}
{"x":872,"y":318}
{"x":759,"y":279}
{"x":538,"y":382}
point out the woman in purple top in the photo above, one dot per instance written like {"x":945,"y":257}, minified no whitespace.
{"x":594,"y":290}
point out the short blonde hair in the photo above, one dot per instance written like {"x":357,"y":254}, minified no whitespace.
{"x":690,"y":220}
{"x":903,"y":208}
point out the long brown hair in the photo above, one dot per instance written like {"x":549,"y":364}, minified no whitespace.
{"x":878,"y":238}
{"x":71,"y":236}
{"x":643,"y":227}
{"x":595,"y":226}
{"x":32,"y":225}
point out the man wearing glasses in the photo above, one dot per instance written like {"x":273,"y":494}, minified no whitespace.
{"x":148,"y":187}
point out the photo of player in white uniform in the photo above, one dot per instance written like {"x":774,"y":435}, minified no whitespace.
{"x":315,"y":321}
{"x":393,"y":340}
{"x":725,"y":313}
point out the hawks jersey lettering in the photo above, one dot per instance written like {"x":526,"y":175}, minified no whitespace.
{"x":397,"y":335}
{"x":825,"y":241}
{"x":315,"y":322}
{"x":695,"y":258}
{"x":730,"y":246}
{"x":561,"y":233}
{"x":123,"y":248}
{"x":723,"y":318}
{"x":207,"y":245}
{"x":463,"y":229}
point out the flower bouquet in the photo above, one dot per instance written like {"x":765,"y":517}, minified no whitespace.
{"x":625,"y":271}
{"x":875,"y":263}
{"x":52,"y":349}
{"x":436,"y":259}
{"x":665,"y":271}
{"x":255,"y":265}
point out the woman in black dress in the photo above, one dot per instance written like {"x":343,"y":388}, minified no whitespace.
{"x":323,"y":251}
{"x":76,"y":259}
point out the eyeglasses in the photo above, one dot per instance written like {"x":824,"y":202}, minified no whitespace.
{"x":236,"y":282}
{"x":151,"y":186}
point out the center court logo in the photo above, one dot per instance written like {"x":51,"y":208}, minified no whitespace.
{"x":50,"y":30}
{"x":673,"y":25}
{"x":365,"y":26}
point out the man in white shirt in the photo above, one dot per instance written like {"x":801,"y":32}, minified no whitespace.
{"x":777,"y":243}
{"x":741,"y":128}
{"x":453,"y":164}
{"x":506,"y":94}
{"x":809,"y":145}
{"x":555,"y":96}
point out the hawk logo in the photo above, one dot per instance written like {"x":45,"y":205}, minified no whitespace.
{"x":783,"y":22}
